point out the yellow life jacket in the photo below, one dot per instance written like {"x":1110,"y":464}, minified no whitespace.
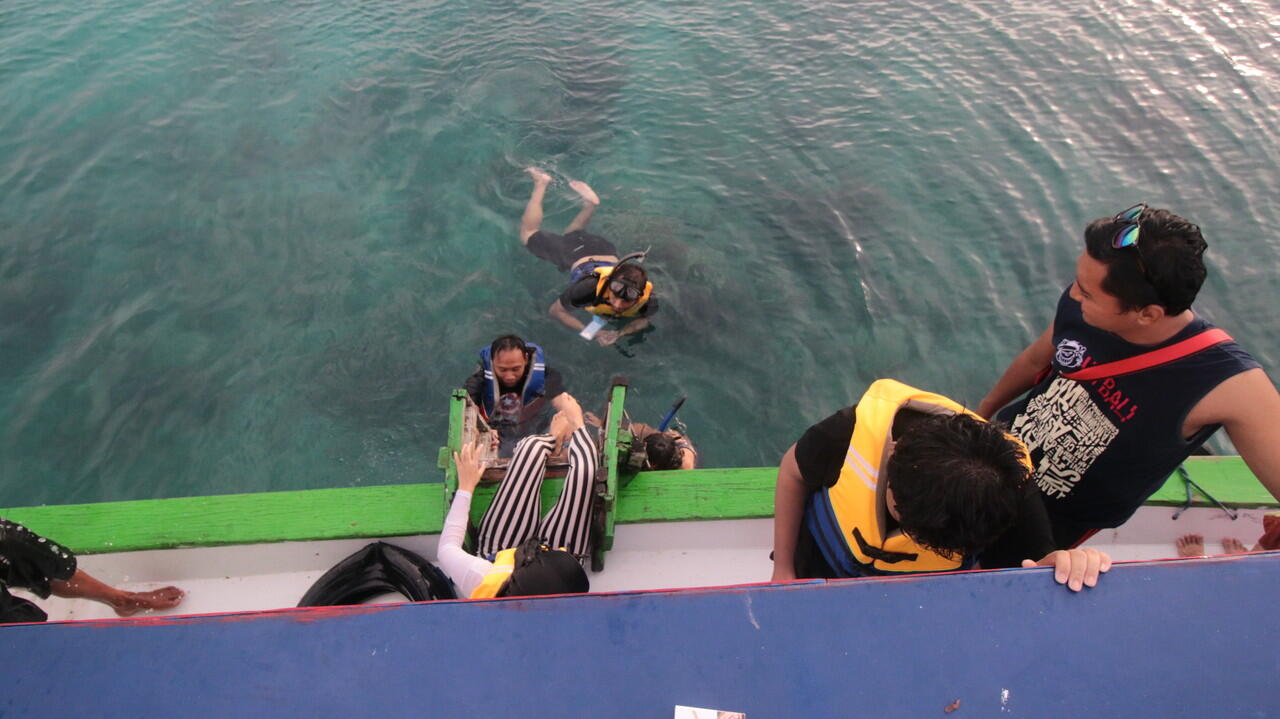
{"x":603,"y":309}
{"x":503,"y":564}
{"x":846,"y":519}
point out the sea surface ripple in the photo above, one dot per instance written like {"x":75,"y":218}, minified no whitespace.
{"x":252,"y":246}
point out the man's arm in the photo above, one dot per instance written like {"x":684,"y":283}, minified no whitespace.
{"x":789,"y":496}
{"x":1021,"y":374}
{"x":1248,"y":407}
{"x":688,"y":457}
{"x":558,"y":311}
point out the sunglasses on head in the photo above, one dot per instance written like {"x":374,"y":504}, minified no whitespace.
{"x":1127,"y":236}
{"x":624,"y":291}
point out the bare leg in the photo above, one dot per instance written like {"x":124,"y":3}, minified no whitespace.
{"x":1231,"y":545}
{"x":1190,"y":545}
{"x":532,"y":218}
{"x":589,"y":204}
{"x":84,"y":586}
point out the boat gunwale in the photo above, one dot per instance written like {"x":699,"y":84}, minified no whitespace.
{"x":413,"y":509}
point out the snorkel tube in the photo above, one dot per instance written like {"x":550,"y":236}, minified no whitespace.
{"x":671,"y":414}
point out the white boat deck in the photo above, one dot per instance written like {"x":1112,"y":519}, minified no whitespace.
{"x":664,"y":555}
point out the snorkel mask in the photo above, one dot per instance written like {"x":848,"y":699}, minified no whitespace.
{"x":624,"y":289}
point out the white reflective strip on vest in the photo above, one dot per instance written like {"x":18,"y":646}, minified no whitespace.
{"x":862,"y":468}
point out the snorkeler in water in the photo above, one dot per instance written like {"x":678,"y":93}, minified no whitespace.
{"x":599,"y":282}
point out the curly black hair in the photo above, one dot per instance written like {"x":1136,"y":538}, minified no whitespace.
{"x":1166,"y":269}
{"x":958,"y":483}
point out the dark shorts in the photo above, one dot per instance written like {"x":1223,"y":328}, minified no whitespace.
{"x":30,"y":562}
{"x":564,"y":250}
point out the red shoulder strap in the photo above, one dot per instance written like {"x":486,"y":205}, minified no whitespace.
{"x":1154,"y":358}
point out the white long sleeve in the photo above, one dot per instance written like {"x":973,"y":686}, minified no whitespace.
{"x":466,"y":570}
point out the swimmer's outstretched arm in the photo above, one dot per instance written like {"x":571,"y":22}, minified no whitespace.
{"x":608,"y":337}
{"x":532,"y":218}
{"x":558,"y":311}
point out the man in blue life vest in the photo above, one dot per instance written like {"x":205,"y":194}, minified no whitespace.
{"x":599,"y":282}
{"x":515,"y":390}
{"x":1128,"y":380}
{"x":906,"y":482}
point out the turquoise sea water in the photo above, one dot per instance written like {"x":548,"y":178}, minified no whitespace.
{"x":252,"y":246}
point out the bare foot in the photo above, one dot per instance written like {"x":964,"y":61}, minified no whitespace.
{"x":130,"y":603}
{"x":572,"y":412}
{"x":1231,"y":545}
{"x":584,"y":190}
{"x":1190,"y":545}
{"x":539,"y":177}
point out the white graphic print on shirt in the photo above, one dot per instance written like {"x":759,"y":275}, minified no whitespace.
{"x":1069,"y":429}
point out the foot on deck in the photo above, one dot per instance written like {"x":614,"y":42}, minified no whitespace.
{"x":1231,"y":545}
{"x":1190,"y":545}
{"x":130,"y":603}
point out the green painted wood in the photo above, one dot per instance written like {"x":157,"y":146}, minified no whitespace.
{"x":699,"y":494}
{"x":457,"y":412}
{"x":316,"y":514}
{"x":399,"y":510}
{"x":1227,"y":478}
{"x":609,"y":503}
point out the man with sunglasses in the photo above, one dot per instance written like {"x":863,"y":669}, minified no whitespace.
{"x":599,"y":282}
{"x":1128,"y":380}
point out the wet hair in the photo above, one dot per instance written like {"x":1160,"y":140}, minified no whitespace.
{"x":632,"y":274}
{"x":661,"y":451}
{"x":1169,"y":247}
{"x":507,"y":342}
{"x":539,"y":570}
{"x":958,"y":483}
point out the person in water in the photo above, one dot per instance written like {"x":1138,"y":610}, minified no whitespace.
{"x":515,"y":390}
{"x":29,"y":561}
{"x":599,"y":282}
{"x":665,"y":450}
{"x":521,"y":552}
{"x":904,"y":482}
{"x":1104,"y":436}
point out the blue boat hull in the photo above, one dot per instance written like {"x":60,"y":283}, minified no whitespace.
{"x":1170,"y":639}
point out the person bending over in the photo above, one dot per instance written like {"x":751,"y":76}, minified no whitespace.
{"x":599,"y":282}
{"x":29,"y":561}
{"x":904,"y":482}
{"x":665,"y":450}
{"x":1128,"y":380}
{"x":521,"y":552}
{"x":512,"y":387}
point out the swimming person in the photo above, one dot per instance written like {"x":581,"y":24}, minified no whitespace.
{"x":29,"y":561}
{"x":528,"y":554}
{"x":515,"y":390}
{"x":904,"y":482}
{"x":599,"y":282}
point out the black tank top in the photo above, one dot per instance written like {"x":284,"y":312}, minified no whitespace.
{"x":1101,"y":447}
